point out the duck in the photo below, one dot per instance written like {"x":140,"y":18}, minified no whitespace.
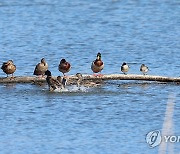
{"x":64,"y":66}
{"x":53,"y":83}
{"x":85,"y":83}
{"x":97,"y":65}
{"x":125,"y":68}
{"x":144,"y":69}
{"x":80,"y":78}
{"x":8,"y":67}
{"x":62,"y":81}
{"x":41,"y":68}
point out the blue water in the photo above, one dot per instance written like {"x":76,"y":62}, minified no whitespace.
{"x":113,"y":118}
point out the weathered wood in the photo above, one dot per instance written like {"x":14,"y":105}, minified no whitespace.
{"x":135,"y":77}
{"x":73,"y":78}
{"x":21,"y":79}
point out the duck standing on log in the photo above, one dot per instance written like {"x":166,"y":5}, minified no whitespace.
{"x":41,"y":68}
{"x":144,"y":69}
{"x":125,"y":68}
{"x":64,"y":66}
{"x":8,"y":67}
{"x":97,"y":65}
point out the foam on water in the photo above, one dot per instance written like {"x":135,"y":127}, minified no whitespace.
{"x":72,"y":88}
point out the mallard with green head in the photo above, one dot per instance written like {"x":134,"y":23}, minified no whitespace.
{"x":125,"y":68}
{"x":8,"y":67}
{"x":97,"y":65}
{"x":54,"y":83}
{"x":41,"y":68}
{"x":144,"y":69}
{"x":64,"y":66}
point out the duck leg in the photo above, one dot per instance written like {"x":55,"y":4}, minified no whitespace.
{"x":12,"y":77}
{"x":100,"y":75}
{"x":95,"y":75}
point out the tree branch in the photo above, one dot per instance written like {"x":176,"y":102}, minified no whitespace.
{"x":73,"y":78}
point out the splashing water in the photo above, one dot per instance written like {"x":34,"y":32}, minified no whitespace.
{"x":73,"y":88}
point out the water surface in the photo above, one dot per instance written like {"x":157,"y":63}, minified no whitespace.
{"x":112,"y":118}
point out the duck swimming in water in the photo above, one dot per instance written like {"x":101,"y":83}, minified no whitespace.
{"x":80,"y":82}
{"x":8,"y":67}
{"x":62,"y":81}
{"x":125,"y":68}
{"x":41,"y":68}
{"x":144,"y":69}
{"x":97,"y":65}
{"x":64,"y":66}
{"x":80,"y":78}
{"x":54,"y":83}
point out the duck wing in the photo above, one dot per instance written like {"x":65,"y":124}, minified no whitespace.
{"x":39,"y":69}
{"x":53,"y":83}
{"x":4,"y":65}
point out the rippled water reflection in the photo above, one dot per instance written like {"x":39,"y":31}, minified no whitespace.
{"x":113,"y":118}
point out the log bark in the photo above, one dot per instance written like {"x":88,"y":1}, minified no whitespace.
{"x":73,"y":79}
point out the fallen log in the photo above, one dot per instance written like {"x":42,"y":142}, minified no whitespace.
{"x":72,"y":78}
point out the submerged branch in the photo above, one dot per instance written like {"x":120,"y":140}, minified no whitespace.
{"x":72,"y":78}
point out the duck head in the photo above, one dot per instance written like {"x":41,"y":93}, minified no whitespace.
{"x":79,"y":75}
{"x":9,"y":62}
{"x":99,"y":56}
{"x":43,"y":61}
{"x":62,"y":61}
{"x":142,"y":65}
{"x":48,"y":73}
{"x":124,"y":64}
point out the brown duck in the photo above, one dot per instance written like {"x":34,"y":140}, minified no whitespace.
{"x":8,"y":67}
{"x":62,"y":81}
{"x":64,"y":66}
{"x":54,"y":84}
{"x":41,"y":68}
{"x":97,"y":65}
